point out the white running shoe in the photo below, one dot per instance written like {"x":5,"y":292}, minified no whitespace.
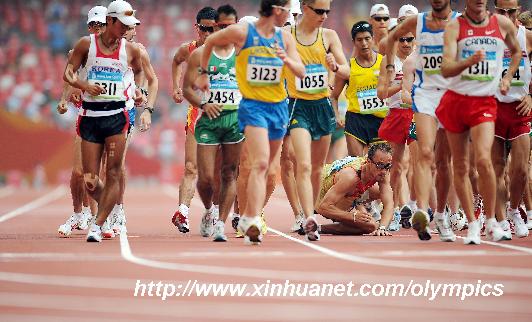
{"x":206,"y":226}
{"x":505,"y":226}
{"x":444,"y":228}
{"x":119,"y":222}
{"x":521,"y":230}
{"x":106,"y":230}
{"x":458,"y":220}
{"x":298,"y":224}
{"x":95,"y":234}
{"x":72,"y":223}
{"x":85,"y":220}
{"x":311,"y":229}
{"x":529,"y":222}
{"x":251,"y":229}
{"x":219,"y":232}
{"x":494,"y":230}
{"x":473,"y":233}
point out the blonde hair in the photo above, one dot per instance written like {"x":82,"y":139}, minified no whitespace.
{"x":525,"y":18}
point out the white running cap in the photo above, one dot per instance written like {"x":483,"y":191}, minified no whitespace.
{"x":393,"y":23}
{"x":248,"y":19}
{"x":123,"y":11}
{"x":97,"y":14}
{"x":295,"y":7}
{"x":380,"y":10}
{"x":407,"y":10}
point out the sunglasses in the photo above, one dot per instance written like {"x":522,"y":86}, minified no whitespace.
{"x":382,"y":165}
{"x":528,"y":28}
{"x":285,"y":9}
{"x":363,"y":27}
{"x":320,"y":12}
{"x":204,"y":28}
{"x":96,"y":24}
{"x":379,"y":19}
{"x":506,"y":11}
{"x":223,"y":25}
{"x":407,"y":39}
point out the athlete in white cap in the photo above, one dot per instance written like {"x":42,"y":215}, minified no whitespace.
{"x":379,"y":21}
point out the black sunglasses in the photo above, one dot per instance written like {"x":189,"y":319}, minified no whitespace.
{"x":320,"y":12}
{"x":382,"y":165}
{"x":508,"y":11}
{"x":94,"y":24}
{"x":407,"y":39}
{"x":528,"y":28}
{"x":363,"y":27}
{"x":379,"y":19}
{"x":204,"y":28}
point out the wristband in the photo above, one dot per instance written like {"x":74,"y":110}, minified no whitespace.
{"x":149,"y":109}
{"x":201,"y":105}
{"x":390,"y":65}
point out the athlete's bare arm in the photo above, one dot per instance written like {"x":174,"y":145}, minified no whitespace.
{"x":509,"y":33}
{"x":525,"y":107}
{"x":180,"y":56}
{"x":290,"y":56}
{"x":151,"y":77}
{"x":339,"y":84}
{"x":385,"y":88}
{"x":67,"y":89}
{"x":191,"y":73}
{"x":408,"y":25}
{"x":346,"y":180}
{"x":451,"y":66}
{"x":337,"y":51}
{"x":386,"y":195}
{"x":79,"y":55}
{"x":408,"y":78}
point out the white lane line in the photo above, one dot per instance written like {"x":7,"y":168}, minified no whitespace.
{"x":6,"y":191}
{"x":431,"y":266}
{"x":503,"y":245}
{"x":53,"y":195}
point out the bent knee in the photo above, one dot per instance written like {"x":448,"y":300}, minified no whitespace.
{"x":191,"y":169}
{"x":91,"y":181}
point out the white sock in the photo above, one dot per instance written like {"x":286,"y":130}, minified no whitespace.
{"x":491,"y":221}
{"x":116,"y":208}
{"x":412,"y":204}
{"x":235,"y":215}
{"x":439,"y":215}
{"x":529,"y":213}
{"x":183,"y":209}
{"x":86,"y":210}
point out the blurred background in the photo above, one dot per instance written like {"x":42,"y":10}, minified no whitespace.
{"x":35,"y":37}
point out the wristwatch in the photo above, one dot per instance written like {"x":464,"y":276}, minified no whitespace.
{"x":149,"y":109}
{"x":390,"y":65}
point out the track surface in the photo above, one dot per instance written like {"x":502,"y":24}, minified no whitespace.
{"x":47,"y":278}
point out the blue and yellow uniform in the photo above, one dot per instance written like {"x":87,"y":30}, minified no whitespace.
{"x":259,"y":73}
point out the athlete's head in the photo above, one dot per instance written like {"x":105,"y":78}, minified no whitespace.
{"x":440,"y":5}
{"x":509,"y":8}
{"x":227,"y":16}
{"x":96,"y":19}
{"x":317,"y":10}
{"x":525,"y":18}
{"x":406,"y":11}
{"x":205,"y":22}
{"x":362,"y":35}
{"x":120,"y":18}
{"x":406,"y":44}
{"x":278,"y":9}
{"x":131,"y":33}
{"x":380,"y":18}
{"x":380,"y":160}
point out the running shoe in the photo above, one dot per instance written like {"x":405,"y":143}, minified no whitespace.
{"x":458,"y":221}
{"x":473,"y":233}
{"x":85,"y":220}
{"x":395,"y":224}
{"x":250,"y":228}
{"x":206,"y":226}
{"x":444,"y":228}
{"x":219,"y":232}
{"x":420,"y":222}
{"x":506,"y":228}
{"x":406,"y":215}
{"x":521,"y":229}
{"x":494,"y":230}
{"x":95,"y":234}
{"x":234,"y":221}
{"x":119,"y":222}
{"x":72,"y":223}
{"x":106,"y":230}
{"x":311,"y":229}
{"x":263,"y":225}
{"x":298,"y":224}
{"x":181,"y":222}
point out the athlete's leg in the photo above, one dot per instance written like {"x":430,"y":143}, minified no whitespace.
{"x":459,"y":146}
{"x":443,"y":177}
{"x":396,"y":173}
{"x":217,"y":177}
{"x":244,"y":170}
{"x":288,"y":165}
{"x":91,"y":154}
{"x":187,"y":185}
{"x":319,"y":150}
{"x":518,"y":169}
{"x":498,"y":155}
{"x":426,"y":135}
{"x":77,"y":185}
{"x":354,"y":146}
{"x":206,"y":159}
{"x":230,"y":159}
{"x":482,"y":137}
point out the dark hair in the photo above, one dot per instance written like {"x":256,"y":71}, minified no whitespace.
{"x":208,"y":13}
{"x":266,"y":8}
{"x":228,"y":10}
{"x":381,"y":146}
{"x":361,"y":26}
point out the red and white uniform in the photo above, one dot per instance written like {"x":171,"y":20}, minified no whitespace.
{"x":470,"y":99}
{"x":395,"y":126}
{"x":509,"y":124}
{"x":193,"y":113}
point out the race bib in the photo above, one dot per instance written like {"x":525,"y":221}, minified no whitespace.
{"x":516,"y":80}
{"x":110,"y":79}
{"x":483,"y":71}
{"x":431,"y":59}
{"x":225,"y":93}
{"x":316,"y":80}
{"x":264,"y":71}
{"x":369,"y":102}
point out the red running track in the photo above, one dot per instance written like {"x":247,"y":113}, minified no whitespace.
{"x":47,"y":278}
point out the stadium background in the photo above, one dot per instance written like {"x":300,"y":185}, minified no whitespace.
{"x":35,"y":37}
